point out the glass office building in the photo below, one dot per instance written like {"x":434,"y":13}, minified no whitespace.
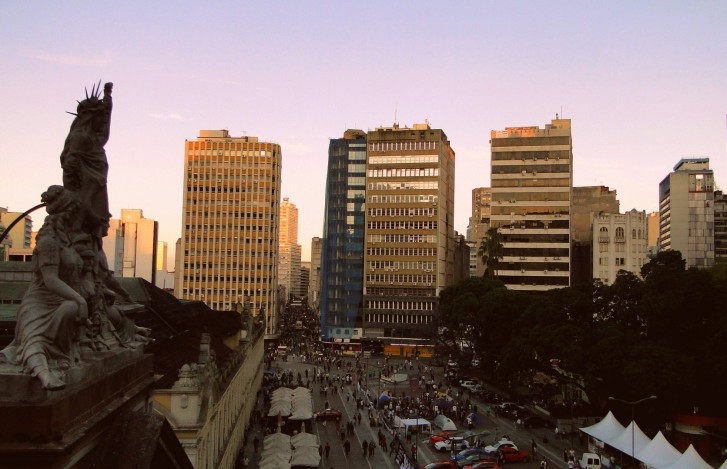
{"x":343,"y":235}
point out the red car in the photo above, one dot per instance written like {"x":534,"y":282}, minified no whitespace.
{"x":511,"y":454}
{"x":441,"y":436}
{"x":329,"y":414}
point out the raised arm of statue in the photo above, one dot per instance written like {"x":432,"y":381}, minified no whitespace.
{"x":106,"y":131}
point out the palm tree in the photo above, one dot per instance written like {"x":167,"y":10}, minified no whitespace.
{"x":490,"y":250}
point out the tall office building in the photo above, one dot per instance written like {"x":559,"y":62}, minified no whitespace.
{"x":479,"y":223}
{"x":131,"y":245}
{"x":409,"y":244}
{"x":532,"y":176}
{"x":619,"y":243}
{"x":289,"y":250}
{"x":342,"y":241}
{"x":231,"y":207}
{"x":652,"y":231}
{"x":686,"y":212}
{"x":720,"y":226}
{"x":314,"y":288}
{"x":21,"y":233}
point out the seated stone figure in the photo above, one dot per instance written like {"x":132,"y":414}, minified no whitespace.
{"x":52,"y":308}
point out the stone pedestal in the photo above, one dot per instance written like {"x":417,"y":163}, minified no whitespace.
{"x":54,"y":429}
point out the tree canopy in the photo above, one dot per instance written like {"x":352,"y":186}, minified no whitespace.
{"x":662,"y":334}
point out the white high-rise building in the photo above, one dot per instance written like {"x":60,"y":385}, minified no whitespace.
{"x":131,"y":245}
{"x":686,"y":212}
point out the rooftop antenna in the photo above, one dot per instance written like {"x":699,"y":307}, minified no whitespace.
{"x":395,"y":113}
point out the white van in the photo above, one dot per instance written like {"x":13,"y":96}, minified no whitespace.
{"x":590,"y":461}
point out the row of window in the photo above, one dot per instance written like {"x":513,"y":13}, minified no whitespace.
{"x":620,"y":234}
{"x":402,"y":212}
{"x":402,"y":238}
{"x":404,"y":290}
{"x":530,"y":155}
{"x":404,"y":145}
{"x":403,"y":172}
{"x":520,"y":182}
{"x":399,"y":318}
{"x":251,"y":189}
{"x":404,"y":185}
{"x":407,"y":265}
{"x":400,"y":305}
{"x":400,"y":279}
{"x":403,"y":199}
{"x":403,"y":159}
{"x":402,"y":225}
{"x":391,"y":252}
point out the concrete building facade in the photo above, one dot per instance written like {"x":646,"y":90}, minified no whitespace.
{"x":20,"y":234}
{"x":586,"y":203}
{"x":289,"y":251}
{"x":314,"y":287}
{"x":409,"y":246}
{"x":131,"y":245}
{"x":619,"y":243}
{"x":479,"y":223}
{"x":231,"y":211}
{"x":720,"y":227}
{"x":686,"y":212}
{"x":532,"y":176}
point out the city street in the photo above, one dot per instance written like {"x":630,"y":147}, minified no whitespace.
{"x":341,"y":400}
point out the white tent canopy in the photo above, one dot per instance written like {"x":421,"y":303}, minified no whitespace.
{"x":659,"y":452}
{"x":607,"y":429}
{"x":624,"y":441}
{"x":306,"y":456}
{"x":689,"y":460}
{"x":724,"y":465}
{"x":304,"y":439}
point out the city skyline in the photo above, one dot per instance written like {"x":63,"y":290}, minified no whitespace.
{"x":642,"y":83}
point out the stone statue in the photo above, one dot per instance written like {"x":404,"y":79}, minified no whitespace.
{"x":69,"y":309}
{"x":83,"y":159}
{"x":48,"y":318}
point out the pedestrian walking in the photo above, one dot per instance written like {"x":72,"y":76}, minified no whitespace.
{"x":347,"y":447}
{"x":543,"y":464}
{"x":365,"y":446}
{"x":328,"y":449}
{"x":372,"y":447}
{"x":534,"y":447}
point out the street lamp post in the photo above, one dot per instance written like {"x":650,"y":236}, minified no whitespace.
{"x":633,"y":404}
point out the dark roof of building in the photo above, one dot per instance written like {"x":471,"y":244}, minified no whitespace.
{"x":176,"y":326}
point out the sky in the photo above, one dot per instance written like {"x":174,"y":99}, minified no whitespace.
{"x":644,"y":83}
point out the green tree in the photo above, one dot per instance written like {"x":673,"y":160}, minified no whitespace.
{"x":490,"y":251}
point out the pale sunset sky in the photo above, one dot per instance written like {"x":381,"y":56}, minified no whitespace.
{"x":644,"y":83}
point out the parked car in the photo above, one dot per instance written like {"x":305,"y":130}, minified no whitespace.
{"x":465,"y":453}
{"x":455,"y":443}
{"x":493,"y":449}
{"x":590,"y":461}
{"x":440,"y":436}
{"x":440,"y":465}
{"x":328,"y":414}
{"x":484,"y":465}
{"x":512,"y":454}
{"x":474,"y":458}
